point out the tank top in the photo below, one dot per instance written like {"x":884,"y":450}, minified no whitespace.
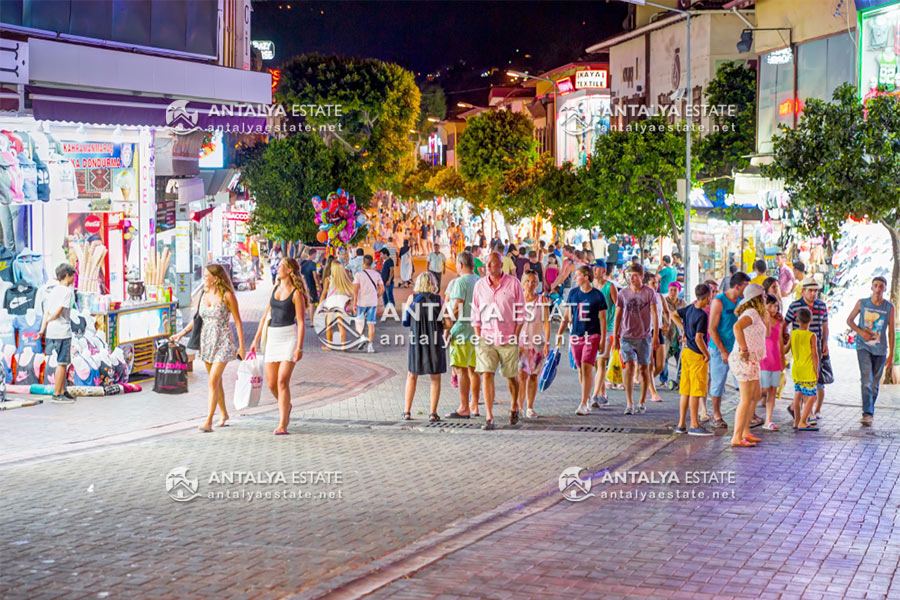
{"x":727,"y":321}
{"x":802,"y":370}
{"x":610,"y":307}
{"x":772,"y":361}
{"x":283,"y":312}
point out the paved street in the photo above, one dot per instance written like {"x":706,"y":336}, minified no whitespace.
{"x":419,"y":511}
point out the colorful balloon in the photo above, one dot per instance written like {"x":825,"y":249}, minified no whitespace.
{"x":322,"y":236}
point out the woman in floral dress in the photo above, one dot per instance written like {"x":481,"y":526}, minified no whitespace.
{"x":217,"y":344}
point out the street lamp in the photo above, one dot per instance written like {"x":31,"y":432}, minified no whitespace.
{"x":433,"y":120}
{"x":688,"y":291}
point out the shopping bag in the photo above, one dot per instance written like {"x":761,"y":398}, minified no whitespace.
{"x":248,"y":386}
{"x":614,"y":373}
{"x":548,"y":372}
{"x":171,"y":368}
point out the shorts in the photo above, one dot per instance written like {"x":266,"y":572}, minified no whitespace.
{"x":366,"y":311}
{"x":694,"y":374}
{"x":769,"y":379}
{"x":462,"y":354}
{"x":489,"y":356}
{"x":62,"y":347}
{"x":806,"y":388}
{"x":635,"y":349}
{"x":585,"y":348}
{"x":718,"y":372}
{"x":530,"y":360}
{"x":744,"y":370}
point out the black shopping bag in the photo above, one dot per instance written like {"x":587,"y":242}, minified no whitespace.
{"x":171,"y":369}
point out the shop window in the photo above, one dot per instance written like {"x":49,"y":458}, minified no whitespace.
{"x":776,"y":96}
{"x":823,"y":65}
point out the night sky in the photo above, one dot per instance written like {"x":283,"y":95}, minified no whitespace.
{"x":424,"y":36}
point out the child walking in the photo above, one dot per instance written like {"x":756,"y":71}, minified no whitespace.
{"x":772,"y":366}
{"x":806,"y":364}
{"x":58,"y":329}
{"x":693,"y":322}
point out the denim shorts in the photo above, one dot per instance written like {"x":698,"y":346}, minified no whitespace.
{"x":635,"y":349}
{"x":718,"y":372}
{"x":769,"y":379}
{"x":62,"y":347}
{"x":368,"y":312}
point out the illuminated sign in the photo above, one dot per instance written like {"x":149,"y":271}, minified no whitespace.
{"x":592,"y":78}
{"x":236,"y":215}
{"x":780,"y":57}
{"x":789,"y":107}
{"x":276,"y":77}
{"x":565,"y":85}
{"x":266,"y":48}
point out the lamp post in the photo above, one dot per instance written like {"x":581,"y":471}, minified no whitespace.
{"x":688,"y":291}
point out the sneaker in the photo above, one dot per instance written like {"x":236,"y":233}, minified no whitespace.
{"x":641,"y":409}
{"x":488,"y":425}
{"x":629,"y":410}
{"x":818,"y":417}
{"x":531,"y":414}
{"x":62,"y":400}
{"x":371,"y":349}
{"x":603,"y":400}
{"x":866,"y":420}
{"x":68,"y":395}
{"x":583,"y":410}
{"x":699,"y":431}
{"x":678,"y":430}
{"x":595,"y":403}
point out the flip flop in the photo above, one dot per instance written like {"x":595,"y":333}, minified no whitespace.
{"x":807,"y":429}
{"x":205,"y":430}
{"x":282,"y":433}
{"x":223,"y":425}
{"x":743,"y":444}
{"x":456,"y":415}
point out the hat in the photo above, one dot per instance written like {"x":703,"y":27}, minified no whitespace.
{"x":599,"y":262}
{"x":675,"y":284}
{"x":754,"y":290}
{"x":809,"y":282}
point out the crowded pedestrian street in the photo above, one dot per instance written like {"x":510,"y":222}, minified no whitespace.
{"x":449,"y":300}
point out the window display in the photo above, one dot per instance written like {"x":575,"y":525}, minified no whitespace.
{"x":879,"y":47}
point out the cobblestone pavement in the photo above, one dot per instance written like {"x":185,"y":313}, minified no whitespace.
{"x":424,"y":511}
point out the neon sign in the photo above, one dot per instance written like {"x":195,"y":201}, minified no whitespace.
{"x":789,"y":107}
{"x":592,"y":78}
{"x":565,"y":85}
{"x":276,"y":77}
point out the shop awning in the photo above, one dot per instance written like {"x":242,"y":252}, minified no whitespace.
{"x":54,"y":104}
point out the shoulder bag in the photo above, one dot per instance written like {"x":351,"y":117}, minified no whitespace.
{"x":194,"y":340}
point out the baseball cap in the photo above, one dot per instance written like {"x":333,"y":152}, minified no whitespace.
{"x":599,"y":262}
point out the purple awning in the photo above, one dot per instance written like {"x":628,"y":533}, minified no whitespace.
{"x":53,"y":104}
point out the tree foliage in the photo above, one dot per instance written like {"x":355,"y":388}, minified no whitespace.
{"x":415,"y":184}
{"x":447,"y":182}
{"x":843,"y":160}
{"x":433,"y":104}
{"x":543,"y":190}
{"x":727,"y":148}
{"x":378,"y":104}
{"x":286,"y":173}
{"x":632,"y":180}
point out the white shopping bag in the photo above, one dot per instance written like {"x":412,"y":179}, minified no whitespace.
{"x":248,"y":386}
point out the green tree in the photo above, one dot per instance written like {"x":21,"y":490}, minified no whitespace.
{"x":415,"y":184}
{"x":378,"y":104}
{"x":433,"y":104}
{"x":447,"y":182}
{"x":733,"y":139}
{"x":632,"y":180}
{"x":543,"y":190}
{"x":492,"y":143}
{"x":843,"y":160}
{"x":286,"y":173}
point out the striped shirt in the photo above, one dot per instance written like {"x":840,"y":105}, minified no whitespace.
{"x":819,"y":312}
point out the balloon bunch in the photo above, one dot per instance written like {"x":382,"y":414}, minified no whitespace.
{"x":338,"y":218}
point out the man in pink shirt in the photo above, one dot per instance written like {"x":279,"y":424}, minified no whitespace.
{"x":786,"y":279}
{"x":498,"y":305}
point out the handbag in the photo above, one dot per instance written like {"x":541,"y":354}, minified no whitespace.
{"x":194,"y":341}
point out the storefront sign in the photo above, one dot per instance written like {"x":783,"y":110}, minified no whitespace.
{"x":276,"y":77}
{"x":236,"y":216}
{"x":593,"y":78}
{"x":103,"y":168}
{"x":266,"y":48}
{"x":565,"y":85}
{"x":780,"y":57}
{"x":789,"y":107}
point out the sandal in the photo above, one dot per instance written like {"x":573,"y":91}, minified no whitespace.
{"x":756,"y":422}
{"x":743,"y":444}
{"x":406,"y":416}
{"x":753,"y":438}
{"x":456,"y":415}
{"x":513,"y":417}
{"x":434,"y":418}
{"x":720,"y":424}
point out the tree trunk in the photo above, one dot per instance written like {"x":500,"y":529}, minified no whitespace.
{"x":665,"y":202}
{"x":895,"y":289}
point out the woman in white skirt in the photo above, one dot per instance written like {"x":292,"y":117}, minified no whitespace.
{"x":284,"y":335}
